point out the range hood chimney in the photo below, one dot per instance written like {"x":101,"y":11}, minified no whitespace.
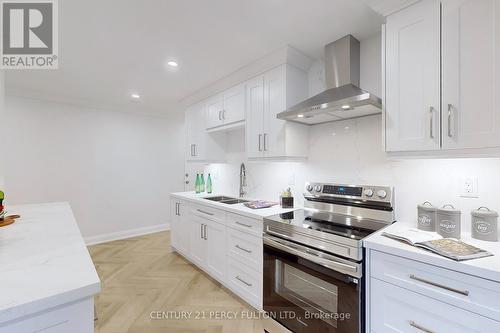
{"x":342,"y":99}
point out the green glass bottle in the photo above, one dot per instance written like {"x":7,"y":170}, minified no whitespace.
{"x":202,"y":183}
{"x":197,"y":184}
{"x":209,"y":184}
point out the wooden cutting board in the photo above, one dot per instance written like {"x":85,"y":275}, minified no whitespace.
{"x":8,"y":220}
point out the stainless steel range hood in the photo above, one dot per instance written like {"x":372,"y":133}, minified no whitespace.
{"x":343,"y":98}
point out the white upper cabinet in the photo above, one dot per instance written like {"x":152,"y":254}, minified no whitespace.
{"x":442,"y":73}
{"x":200,"y":145}
{"x":268,"y":95}
{"x":471,"y":73}
{"x":226,"y":108}
{"x":214,"y":107}
{"x":412,"y":74}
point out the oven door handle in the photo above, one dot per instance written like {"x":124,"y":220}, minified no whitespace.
{"x":313,"y":256}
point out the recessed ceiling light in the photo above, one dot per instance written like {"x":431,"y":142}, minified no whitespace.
{"x":172,"y":63}
{"x":300,"y":116}
{"x":135,"y":96}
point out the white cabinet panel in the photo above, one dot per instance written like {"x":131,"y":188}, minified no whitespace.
{"x":412,"y":76}
{"x":195,"y":131}
{"x":179,"y":225}
{"x":396,"y":310}
{"x":471,"y":72}
{"x":274,"y":103}
{"x":234,"y":105}
{"x":214,"y":107}
{"x":216,"y":247}
{"x":197,"y":243}
{"x":254,"y":116}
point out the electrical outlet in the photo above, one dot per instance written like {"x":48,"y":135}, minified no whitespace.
{"x":469,"y":187}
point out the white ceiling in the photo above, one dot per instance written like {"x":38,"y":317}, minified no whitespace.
{"x":112,"y":48}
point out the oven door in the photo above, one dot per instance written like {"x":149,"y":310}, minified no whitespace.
{"x":311,"y":291}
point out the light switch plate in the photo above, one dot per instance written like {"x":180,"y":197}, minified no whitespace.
{"x":469,"y":187}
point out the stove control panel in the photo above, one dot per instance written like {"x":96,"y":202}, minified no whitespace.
{"x":363,"y":192}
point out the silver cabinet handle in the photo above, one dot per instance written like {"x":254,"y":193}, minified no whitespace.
{"x":192,"y":153}
{"x":450,"y":110}
{"x":195,"y":152}
{"x":431,"y":111}
{"x":418,"y":327}
{"x":201,"y":231}
{"x":458,"y":291}
{"x":220,"y":115}
{"x":177,"y":209}
{"x":223,"y":114}
{"x":202,"y":211}
{"x":260,"y":137}
{"x":265,"y":146}
{"x":242,"y":249}
{"x":243,"y":224}
{"x":205,"y":233}
{"x":243,"y":281}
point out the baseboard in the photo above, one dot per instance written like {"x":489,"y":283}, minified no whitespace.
{"x":112,"y":236}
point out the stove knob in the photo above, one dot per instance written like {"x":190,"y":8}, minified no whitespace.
{"x":381,"y":194}
{"x":368,"y":192}
{"x":317,"y":188}
{"x":309,"y":187}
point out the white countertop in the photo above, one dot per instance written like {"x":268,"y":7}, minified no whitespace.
{"x":487,"y":268}
{"x":237,"y":208}
{"x":43,"y":261}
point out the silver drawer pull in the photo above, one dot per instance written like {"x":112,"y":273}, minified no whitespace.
{"x":202,"y":211}
{"x":458,"y":291}
{"x":242,"y":249}
{"x":418,"y":327}
{"x":243,"y":224}
{"x":300,"y":321}
{"x":243,"y":281}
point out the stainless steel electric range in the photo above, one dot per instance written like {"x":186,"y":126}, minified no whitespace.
{"x":313,"y":258}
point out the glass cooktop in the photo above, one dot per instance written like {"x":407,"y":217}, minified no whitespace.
{"x":341,"y":225}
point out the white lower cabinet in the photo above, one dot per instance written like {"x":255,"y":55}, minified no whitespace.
{"x":405,"y":295}
{"x":225,"y":245}
{"x":394,"y":309}
{"x":215,"y":235}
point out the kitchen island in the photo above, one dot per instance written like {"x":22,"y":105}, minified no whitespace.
{"x":48,"y":278}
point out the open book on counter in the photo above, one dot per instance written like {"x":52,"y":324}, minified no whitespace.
{"x":447,"y":247}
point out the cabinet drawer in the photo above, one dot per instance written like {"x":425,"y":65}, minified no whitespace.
{"x":209,"y":213}
{"x":75,"y":317}
{"x":394,"y":309}
{"x":245,"y":224}
{"x":246,"y":248}
{"x":462,"y":290}
{"x":245,"y":282}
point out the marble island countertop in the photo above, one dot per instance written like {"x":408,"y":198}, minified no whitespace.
{"x":44,"y":262}
{"x":236,"y":208}
{"x":487,"y":268}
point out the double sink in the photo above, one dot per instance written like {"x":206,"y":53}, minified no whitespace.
{"x":226,"y":200}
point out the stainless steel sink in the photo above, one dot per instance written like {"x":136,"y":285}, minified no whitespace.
{"x":226,"y":200}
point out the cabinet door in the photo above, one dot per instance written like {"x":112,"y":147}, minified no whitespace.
{"x":198,"y":245}
{"x":471,"y":73}
{"x":183,"y":228}
{"x":216,"y":257}
{"x":412,"y":101}
{"x":254,"y":116}
{"x":234,"y":104}
{"x":174,"y":224}
{"x":214,"y":107}
{"x":196,"y":133}
{"x":274,"y":102}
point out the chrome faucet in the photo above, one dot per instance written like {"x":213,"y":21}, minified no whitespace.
{"x":243,"y":180}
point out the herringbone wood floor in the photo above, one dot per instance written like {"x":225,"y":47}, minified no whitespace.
{"x":142,"y":274}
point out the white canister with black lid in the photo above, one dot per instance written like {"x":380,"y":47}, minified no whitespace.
{"x":448,"y":219}
{"x":426,"y":217}
{"x":484,"y":224}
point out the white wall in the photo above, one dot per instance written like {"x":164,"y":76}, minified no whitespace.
{"x":351,"y":152}
{"x":116,"y":169}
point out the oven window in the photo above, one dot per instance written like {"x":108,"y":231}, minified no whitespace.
{"x":306,"y":291}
